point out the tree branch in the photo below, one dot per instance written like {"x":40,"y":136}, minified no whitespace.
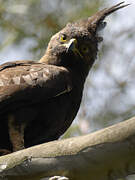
{"x":105,"y":154}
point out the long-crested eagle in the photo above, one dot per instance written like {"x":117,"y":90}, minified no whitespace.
{"x":39,"y":100}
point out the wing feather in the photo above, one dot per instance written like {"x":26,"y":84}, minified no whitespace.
{"x":26,"y":82}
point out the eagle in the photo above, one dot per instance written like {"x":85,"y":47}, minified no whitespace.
{"x":39,"y":100}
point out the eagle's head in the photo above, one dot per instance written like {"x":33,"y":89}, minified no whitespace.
{"x":76,"y":45}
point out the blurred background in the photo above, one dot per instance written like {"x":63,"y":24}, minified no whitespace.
{"x":26,"y":27}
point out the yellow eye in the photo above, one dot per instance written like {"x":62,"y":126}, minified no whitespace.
{"x":85,"y":49}
{"x":63,"y":38}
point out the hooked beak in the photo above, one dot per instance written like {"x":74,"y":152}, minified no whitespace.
{"x":72,"y":46}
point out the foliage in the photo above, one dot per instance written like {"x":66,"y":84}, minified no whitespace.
{"x":37,"y":21}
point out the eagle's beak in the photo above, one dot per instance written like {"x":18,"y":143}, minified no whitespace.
{"x":72,"y":46}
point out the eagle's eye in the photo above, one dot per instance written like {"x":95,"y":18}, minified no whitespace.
{"x":84,"y":49}
{"x":63,"y":38}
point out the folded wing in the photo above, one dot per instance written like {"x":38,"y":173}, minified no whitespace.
{"x":27,"y":82}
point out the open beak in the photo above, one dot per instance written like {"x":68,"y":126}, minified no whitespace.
{"x":72,"y":46}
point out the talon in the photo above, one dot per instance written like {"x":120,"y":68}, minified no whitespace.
{"x":4,"y":152}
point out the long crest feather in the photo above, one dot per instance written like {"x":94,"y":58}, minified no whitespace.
{"x":98,"y":18}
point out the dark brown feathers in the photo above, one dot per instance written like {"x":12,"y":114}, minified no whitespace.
{"x":18,"y":79}
{"x":39,"y":100}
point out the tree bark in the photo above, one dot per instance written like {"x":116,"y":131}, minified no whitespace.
{"x":105,"y":154}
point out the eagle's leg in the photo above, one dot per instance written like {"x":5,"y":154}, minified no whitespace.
{"x":4,"y":152}
{"x":16,"y":133}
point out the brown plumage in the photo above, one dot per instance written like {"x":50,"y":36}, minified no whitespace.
{"x":39,"y":100}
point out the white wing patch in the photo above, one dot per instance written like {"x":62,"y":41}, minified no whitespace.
{"x":16,"y":80}
{"x":34,"y":75}
{"x":1,"y":83}
{"x":27,"y":79}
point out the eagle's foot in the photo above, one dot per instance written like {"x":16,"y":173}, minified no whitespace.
{"x":4,"y":152}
